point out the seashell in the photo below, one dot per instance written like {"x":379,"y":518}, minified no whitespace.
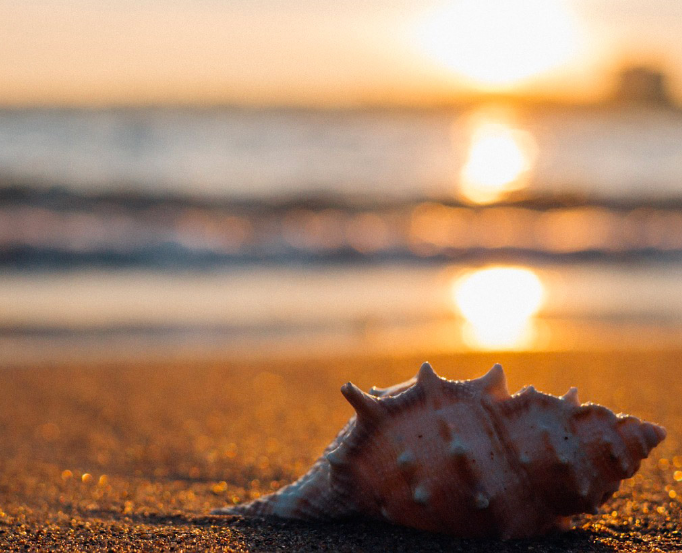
{"x":466,"y":458}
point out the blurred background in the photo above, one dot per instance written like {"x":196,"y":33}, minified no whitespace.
{"x":266,"y":178}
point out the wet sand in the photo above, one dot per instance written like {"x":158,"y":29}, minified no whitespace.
{"x":133,"y":457}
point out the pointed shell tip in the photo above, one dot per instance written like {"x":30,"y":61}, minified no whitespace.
{"x":653,"y":434}
{"x":366,"y":406}
{"x":572,"y":397}
{"x":495,"y":382}
{"x":427,"y":377}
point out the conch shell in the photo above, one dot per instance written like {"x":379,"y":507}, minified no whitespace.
{"x":466,"y":458}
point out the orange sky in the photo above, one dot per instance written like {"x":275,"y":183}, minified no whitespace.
{"x":323,"y":51}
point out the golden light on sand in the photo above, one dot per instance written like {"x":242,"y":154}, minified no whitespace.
{"x":498,"y":305}
{"x":498,"y":162}
{"x":496,"y":44}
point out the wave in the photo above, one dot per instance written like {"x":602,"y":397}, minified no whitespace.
{"x":56,"y":227}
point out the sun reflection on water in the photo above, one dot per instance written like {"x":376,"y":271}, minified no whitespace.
{"x":498,"y":305}
{"x":499,"y":160}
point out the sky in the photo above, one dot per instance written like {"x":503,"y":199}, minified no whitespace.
{"x":326,"y":52}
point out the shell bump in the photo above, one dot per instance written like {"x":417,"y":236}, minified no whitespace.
{"x":466,"y":458}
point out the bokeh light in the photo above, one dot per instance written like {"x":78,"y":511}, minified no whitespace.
{"x":498,"y":304}
{"x":499,"y":160}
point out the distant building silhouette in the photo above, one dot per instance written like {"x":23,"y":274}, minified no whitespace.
{"x":642,"y":85}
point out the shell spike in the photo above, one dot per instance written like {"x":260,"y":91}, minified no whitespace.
{"x":421,"y":495}
{"x":427,"y":377}
{"x":336,"y":458}
{"x":406,"y":459}
{"x":572,"y":397}
{"x":481,"y":501}
{"x":392,"y":390}
{"x":367,"y":407}
{"x":457,"y":448}
{"x":494,"y":382}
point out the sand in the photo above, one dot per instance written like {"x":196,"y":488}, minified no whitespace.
{"x":133,"y":457}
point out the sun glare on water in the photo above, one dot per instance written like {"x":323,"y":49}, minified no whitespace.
{"x":498,"y":305}
{"x":498,"y":161}
{"x":496,"y":44}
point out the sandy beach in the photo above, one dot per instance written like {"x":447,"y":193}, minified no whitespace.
{"x":133,"y":457}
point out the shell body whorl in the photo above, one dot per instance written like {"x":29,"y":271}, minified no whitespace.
{"x":466,"y":458}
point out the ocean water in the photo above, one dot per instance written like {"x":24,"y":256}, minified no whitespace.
{"x":259,"y":311}
{"x":264,"y":154}
{"x":222,"y":230}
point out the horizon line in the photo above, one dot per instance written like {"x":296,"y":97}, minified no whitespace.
{"x":436,"y":103}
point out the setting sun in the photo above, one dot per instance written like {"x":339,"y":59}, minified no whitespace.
{"x":498,"y":304}
{"x":497,"y":44}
